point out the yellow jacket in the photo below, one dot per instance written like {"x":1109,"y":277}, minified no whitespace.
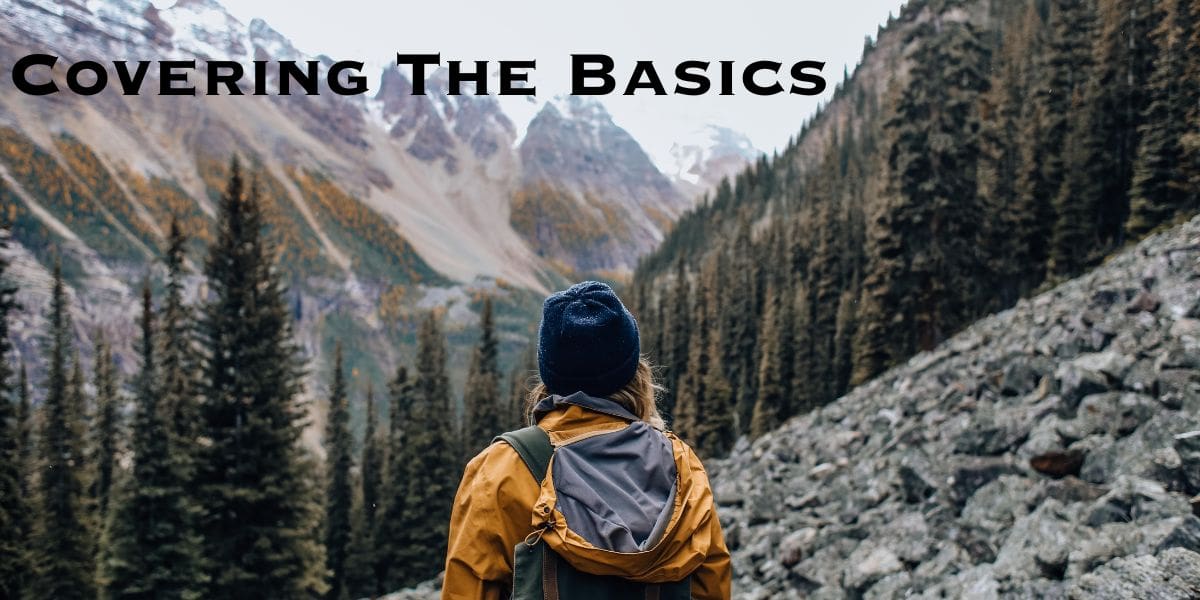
{"x":495,"y":509}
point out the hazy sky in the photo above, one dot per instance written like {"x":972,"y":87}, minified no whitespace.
{"x":665,"y":31}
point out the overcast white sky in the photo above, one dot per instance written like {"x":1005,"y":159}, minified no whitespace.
{"x":665,"y":31}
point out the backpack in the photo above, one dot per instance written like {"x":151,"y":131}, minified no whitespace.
{"x":540,"y":574}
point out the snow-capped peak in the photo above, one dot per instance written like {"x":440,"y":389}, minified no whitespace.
{"x":204,"y":28}
{"x":705,"y":155}
{"x":587,"y":115}
{"x":275,"y":44}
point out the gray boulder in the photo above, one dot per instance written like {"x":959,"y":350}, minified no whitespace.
{"x":1174,"y":575}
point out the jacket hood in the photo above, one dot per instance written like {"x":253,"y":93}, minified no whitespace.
{"x":623,"y":499}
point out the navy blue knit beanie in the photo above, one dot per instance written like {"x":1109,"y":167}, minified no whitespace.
{"x":587,"y":342}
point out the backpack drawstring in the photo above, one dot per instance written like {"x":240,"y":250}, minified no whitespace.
{"x":535,"y":536}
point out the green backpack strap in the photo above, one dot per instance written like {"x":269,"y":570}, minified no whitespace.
{"x":533,"y":445}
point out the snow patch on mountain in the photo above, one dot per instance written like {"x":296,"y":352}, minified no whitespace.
{"x":272,"y":42}
{"x":203,"y":28}
{"x":704,"y":145}
{"x":698,"y":161}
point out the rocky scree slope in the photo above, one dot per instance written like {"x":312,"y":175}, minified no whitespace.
{"x":1051,"y":450}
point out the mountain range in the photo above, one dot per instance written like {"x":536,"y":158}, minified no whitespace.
{"x":383,"y":205}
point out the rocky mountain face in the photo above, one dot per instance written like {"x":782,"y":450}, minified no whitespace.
{"x":383,"y":205}
{"x":1050,"y":451}
{"x":590,"y":196}
{"x":432,"y":123}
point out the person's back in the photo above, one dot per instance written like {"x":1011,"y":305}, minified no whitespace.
{"x":619,"y":509}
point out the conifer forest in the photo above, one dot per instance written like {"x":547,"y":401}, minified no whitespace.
{"x":1011,"y":145}
{"x":189,"y":480}
{"x":1014,"y":156}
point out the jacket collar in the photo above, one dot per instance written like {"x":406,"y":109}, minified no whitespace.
{"x":582,"y":400}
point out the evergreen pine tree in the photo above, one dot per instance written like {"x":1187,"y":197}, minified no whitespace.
{"x":1076,"y":231}
{"x":180,"y":407}
{"x":1076,"y":234}
{"x":801,"y":397}
{"x":1160,"y":187}
{"x":254,"y":479}
{"x":179,"y":360}
{"x":771,"y":405}
{"x":743,"y":331}
{"x":719,"y":430}
{"x":1190,"y":143}
{"x":825,"y":275}
{"x":360,"y":571}
{"x":1005,"y":118}
{"x":25,"y":453}
{"x":13,"y":507}
{"x":391,"y":538}
{"x":372,"y":459}
{"x":82,"y":418}
{"x":339,"y":493}
{"x":1058,"y":76}
{"x":430,"y":466}
{"x":106,"y":432}
{"x":62,"y":557}
{"x":25,"y":467}
{"x":482,"y":394}
{"x":361,"y":575}
{"x":1115,"y":98}
{"x":719,"y":405}
{"x":882,"y":326}
{"x":705,"y":407}
{"x":843,"y":340}
{"x":687,"y":418}
{"x":922,"y":283}
{"x":793,"y":332}
{"x":152,"y":549}
{"x":676,"y":342}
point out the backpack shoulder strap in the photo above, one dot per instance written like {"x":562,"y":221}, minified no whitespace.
{"x":533,"y":445}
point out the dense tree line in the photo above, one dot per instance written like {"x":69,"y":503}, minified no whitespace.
{"x":1018,"y":144}
{"x":190,"y":480}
